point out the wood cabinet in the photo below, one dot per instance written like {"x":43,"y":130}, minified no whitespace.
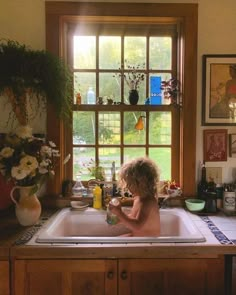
{"x":234,"y":275}
{"x":65,"y":277}
{"x":171,"y":276}
{"x":119,"y":277}
{"x":4,"y":278}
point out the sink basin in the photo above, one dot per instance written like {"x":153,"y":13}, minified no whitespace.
{"x":90,"y":226}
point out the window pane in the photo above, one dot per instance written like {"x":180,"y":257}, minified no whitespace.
{"x":132,"y":153}
{"x":81,"y":163}
{"x":109,"y":52}
{"x":106,"y":157}
{"x":135,"y":50}
{"x":132,"y":135}
{"x":109,"y":128}
{"x":160,"y":128}
{"x":160,"y":53}
{"x":82,"y":83}
{"x":109,"y":85}
{"x":84,"y":127}
{"x":84,"y":52}
{"x":162,"y":157}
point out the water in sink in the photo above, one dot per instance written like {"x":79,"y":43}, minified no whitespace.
{"x":90,"y":226}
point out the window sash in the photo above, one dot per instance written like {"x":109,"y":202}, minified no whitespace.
{"x":186,"y":15}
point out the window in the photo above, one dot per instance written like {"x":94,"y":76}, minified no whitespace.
{"x":106,"y":58}
{"x":61,"y":14}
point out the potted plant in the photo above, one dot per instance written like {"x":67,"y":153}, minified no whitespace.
{"x":133,"y":78}
{"x":27,"y":74}
{"x":171,"y":90}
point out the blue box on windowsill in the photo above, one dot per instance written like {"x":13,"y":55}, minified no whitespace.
{"x":155,"y":90}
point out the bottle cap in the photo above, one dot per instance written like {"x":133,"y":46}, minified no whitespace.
{"x":115,"y":202}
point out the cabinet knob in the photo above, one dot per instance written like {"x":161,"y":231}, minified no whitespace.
{"x":110,"y":275}
{"x":124,"y":275}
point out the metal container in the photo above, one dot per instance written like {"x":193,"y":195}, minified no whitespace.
{"x":229,"y":201}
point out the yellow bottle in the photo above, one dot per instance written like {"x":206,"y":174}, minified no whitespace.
{"x":97,"y":197}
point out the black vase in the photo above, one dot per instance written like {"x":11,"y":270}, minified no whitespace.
{"x":133,"y":96}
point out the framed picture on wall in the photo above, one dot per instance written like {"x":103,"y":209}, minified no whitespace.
{"x":219,"y":89}
{"x":215,"y":145}
{"x":232,"y":145}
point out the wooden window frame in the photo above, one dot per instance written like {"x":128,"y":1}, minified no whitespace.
{"x":109,"y":25}
{"x":187,"y":15}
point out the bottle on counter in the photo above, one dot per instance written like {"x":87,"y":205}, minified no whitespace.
{"x":219,"y":195}
{"x":203,"y":184}
{"x":78,"y":188}
{"x":97,"y":197}
{"x":112,"y":218}
{"x":113,"y":173}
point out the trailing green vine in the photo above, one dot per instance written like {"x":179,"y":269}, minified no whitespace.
{"x":25,"y":72}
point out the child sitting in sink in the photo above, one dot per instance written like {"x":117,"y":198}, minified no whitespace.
{"x":140,"y":176}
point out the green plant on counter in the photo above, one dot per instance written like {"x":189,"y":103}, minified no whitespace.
{"x":96,"y":171}
{"x":26,"y":74}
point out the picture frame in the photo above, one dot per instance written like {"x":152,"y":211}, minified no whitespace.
{"x":215,"y":145}
{"x":232,"y":145}
{"x":218,"y":89}
{"x":214,"y":174}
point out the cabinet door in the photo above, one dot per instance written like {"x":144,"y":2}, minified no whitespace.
{"x":171,"y":276}
{"x":65,"y":277}
{"x":4,"y":278}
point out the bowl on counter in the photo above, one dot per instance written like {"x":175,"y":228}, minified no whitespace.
{"x":195,"y":205}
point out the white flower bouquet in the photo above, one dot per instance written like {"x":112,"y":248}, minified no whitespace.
{"x":26,"y":160}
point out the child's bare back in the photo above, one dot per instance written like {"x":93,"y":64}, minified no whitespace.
{"x":140,"y":177}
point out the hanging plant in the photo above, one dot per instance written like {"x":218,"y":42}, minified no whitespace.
{"x":26,"y":74}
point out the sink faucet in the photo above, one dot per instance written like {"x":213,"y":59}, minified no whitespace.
{"x":162,"y":202}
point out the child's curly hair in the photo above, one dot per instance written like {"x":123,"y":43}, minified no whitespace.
{"x":140,"y":176}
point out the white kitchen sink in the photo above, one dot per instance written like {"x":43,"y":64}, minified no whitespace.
{"x":90,"y":226}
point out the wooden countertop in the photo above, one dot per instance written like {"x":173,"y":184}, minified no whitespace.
{"x":10,"y":231}
{"x":122,"y":251}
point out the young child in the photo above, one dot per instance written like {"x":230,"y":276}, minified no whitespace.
{"x":140,"y":177}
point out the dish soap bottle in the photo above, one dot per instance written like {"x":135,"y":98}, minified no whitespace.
{"x":112,"y":218}
{"x":97,"y":197}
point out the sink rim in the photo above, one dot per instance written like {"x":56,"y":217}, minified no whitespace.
{"x":44,"y":237}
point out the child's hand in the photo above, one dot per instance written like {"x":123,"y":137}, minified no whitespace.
{"x":115,"y":209}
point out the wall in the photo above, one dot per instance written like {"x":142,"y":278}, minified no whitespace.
{"x":24,"y":21}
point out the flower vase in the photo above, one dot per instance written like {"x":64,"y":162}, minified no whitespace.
{"x":28,"y":207}
{"x":133,"y":96}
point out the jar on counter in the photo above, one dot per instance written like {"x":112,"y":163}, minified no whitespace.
{"x":112,"y":218}
{"x":229,"y":201}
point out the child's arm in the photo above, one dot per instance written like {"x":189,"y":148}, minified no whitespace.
{"x":134,"y":220}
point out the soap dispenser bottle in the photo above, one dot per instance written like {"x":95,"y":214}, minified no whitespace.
{"x":97,"y":197}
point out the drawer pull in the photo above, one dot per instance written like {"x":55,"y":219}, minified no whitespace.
{"x":110,"y":275}
{"x":124,"y":275}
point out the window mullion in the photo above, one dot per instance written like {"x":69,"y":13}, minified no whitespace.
{"x":122,"y":67}
{"x":147,"y":66}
